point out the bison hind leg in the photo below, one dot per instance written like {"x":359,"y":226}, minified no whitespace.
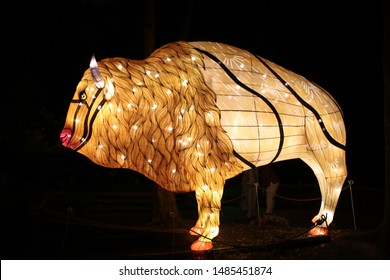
{"x":330,"y":179}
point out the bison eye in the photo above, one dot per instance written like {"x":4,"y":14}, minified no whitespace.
{"x":82,"y":95}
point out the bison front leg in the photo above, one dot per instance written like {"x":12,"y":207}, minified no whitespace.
{"x":207,"y":226}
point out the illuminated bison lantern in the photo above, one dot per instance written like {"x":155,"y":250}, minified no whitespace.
{"x":194,"y":114}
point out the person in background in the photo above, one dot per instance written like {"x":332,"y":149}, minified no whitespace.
{"x":269,"y":180}
{"x":271,"y":183}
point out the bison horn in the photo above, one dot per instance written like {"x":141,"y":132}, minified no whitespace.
{"x":95,"y":72}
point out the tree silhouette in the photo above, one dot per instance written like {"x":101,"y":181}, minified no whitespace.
{"x":385,"y":226}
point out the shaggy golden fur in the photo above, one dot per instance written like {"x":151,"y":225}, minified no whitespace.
{"x":162,"y":121}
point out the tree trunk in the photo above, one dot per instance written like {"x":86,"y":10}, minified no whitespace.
{"x":385,"y":227}
{"x":165,"y":207}
{"x":164,"y":201}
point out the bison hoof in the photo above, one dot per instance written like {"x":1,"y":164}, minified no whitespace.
{"x":196,"y":231}
{"x":201,"y":246}
{"x":318,"y":231}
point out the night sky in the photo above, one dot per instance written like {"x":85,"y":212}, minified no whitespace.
{"x":47,"y":47}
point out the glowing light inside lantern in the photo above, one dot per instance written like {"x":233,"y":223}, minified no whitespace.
{"x":242,"y":102}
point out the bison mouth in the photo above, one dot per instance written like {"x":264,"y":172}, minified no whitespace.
{"x":65,"y":137}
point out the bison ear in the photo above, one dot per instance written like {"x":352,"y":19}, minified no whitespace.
{"x":95,"y":72}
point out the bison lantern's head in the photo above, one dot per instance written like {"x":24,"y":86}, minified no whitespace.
{"x":92,"y":92}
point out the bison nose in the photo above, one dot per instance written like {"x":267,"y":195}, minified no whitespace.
{"x":65,"y":136}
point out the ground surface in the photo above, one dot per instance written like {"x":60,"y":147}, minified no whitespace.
{"x":274,"y":239}
{"x":119,"y":226}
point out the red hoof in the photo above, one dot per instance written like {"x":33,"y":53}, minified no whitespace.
{"x":201,"y":246}
{"x":196,"y":231}
{"x":318,"y":231}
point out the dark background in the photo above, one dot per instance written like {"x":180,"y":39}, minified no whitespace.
{"x":46,"y":47}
